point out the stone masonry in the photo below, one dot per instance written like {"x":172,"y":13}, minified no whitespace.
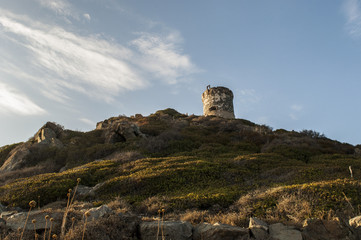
{"x":218,"y":101}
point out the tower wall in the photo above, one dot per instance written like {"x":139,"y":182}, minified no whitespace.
{"x":218,"y":101}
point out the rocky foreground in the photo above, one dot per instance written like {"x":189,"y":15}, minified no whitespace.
{"x":106,"y":223}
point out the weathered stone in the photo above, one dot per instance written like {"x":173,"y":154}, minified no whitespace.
{"x":114,"y":226}
{"x":83,"y":191}
{"x":218,"y":101}
{"x":2,"y":208}
{"x":7,"y":214}
{"x":18,"y":220}
{"x":2,"y":223}
{"x":355,"y":222}
{"x":258,"y":228}
{"x":48,"y":134}
{"x":316,"y":229}
{"x":219,"y":231}
{"x":96,"y":213}
{"x":119,"y":130}
{"x":17,"y":158}
{"x":177,"y":230}
{"x":279,"y":231}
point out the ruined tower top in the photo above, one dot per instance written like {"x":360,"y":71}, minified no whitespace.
{"x":218,"y":101}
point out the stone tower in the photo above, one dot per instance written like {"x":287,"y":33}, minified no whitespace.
{"x":218,"y":101}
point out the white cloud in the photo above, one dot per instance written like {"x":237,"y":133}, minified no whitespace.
{"x":15,"y":102}
{"x":60,"y":7}
{"x":162,"y":56}
{"x":297,"y":107}
{"x":87,"y":121}
{"x":85,"y":64}
{"x":87,"y":16}
{"x":293,"y":116}
{"x":352,"y":11}
{"x":296,"y":110}
{"x":59,"y":60}
{"x":249,"y":96}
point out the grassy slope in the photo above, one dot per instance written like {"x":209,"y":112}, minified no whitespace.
{"x":193,"y":162}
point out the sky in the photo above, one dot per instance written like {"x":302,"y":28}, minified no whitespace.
{"x":291,"y":64}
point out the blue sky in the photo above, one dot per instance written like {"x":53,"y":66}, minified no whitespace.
{"x":290,"y":64}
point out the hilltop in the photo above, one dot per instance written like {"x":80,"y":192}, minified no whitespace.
{"x":197,"y":168}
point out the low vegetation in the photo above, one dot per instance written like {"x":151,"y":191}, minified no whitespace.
{"x":199,"y":169}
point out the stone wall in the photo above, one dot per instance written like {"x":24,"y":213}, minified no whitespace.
{"x":218,"y":101}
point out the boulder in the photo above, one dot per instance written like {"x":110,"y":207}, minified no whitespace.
{"x":175,"y":230}
{"x":7,"y":214}
{"x":18,"y":220}
{"x":114,"y":226}
{"x":2,"y":208}
{"x":279,"y":231}
{"x":219,"y":231}
{"x":317,"y":229}
{"x":355,"y":222}
{"x":119,"y":130}
{"x":84,"y":191}
{"x":96,"y":213}
{"x":2,"y":223}
{"x":258,"y":228}
{"x":48,"y":135}
{"x":17,"y":158}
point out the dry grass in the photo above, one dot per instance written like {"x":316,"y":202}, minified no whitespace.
{"x":153,"y":204}
{"x":110,"y":227}
{"x":119,"y":205}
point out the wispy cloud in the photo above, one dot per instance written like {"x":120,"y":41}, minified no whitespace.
{"x":12,"y":101}
{"x":61,"y":60}
{"x":162,"y":56}
{"x":249,"y":96}
{"x":296,"y":109}
{"x":88,"y":121}
{"x":61,"y":8}
{"x":352,"y":10}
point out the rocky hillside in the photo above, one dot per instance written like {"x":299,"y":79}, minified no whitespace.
{"x":196,"y":168}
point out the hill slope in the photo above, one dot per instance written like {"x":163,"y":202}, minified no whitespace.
{"x":228,"y":170}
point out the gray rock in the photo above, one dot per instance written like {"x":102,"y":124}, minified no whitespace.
{"x":114,"y":226}
{"x":258,"y":228}
{"x":2,"y":208}
{"x":317,"y":229}
{"x":219,"y":231}
{"x":279,"y":231}
{"x":2,"y":224}
{"x":18,"y":220}
{"x":96,"y":213}
{"x":7,"y":214}
{"x":17,"y":158}
{"x":83,"y":191}
{"x":177,"y":230}
{"x":48,"y":135}
{"x":119,"y":130}
{"x":355,"y":222}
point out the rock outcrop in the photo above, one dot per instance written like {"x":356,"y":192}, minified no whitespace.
{"x":219,"y":231}
{"x":279,"y":231}
{"x":49,"y":134}
{"x":258,"y":228}
{"x":17,"y":221}
{"x":119,"y":130}
{"x":176,"y":230}
{"x":105,"y":223}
